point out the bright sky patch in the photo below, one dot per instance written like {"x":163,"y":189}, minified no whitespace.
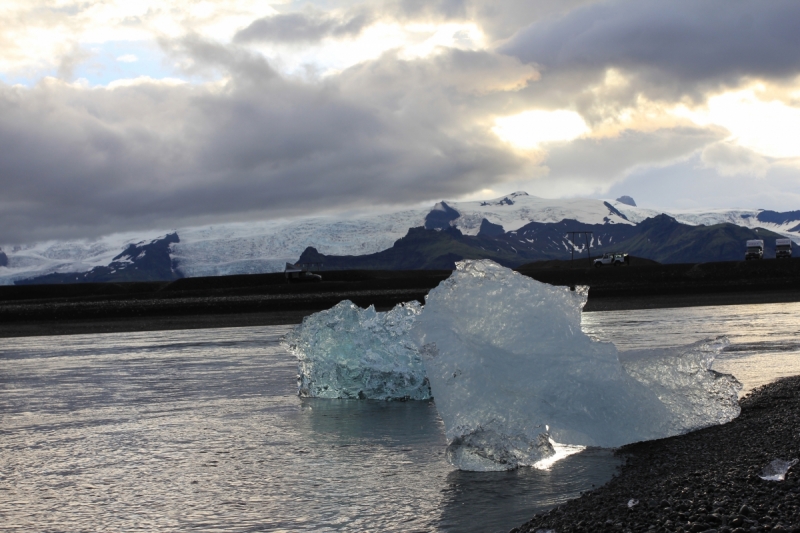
{"x":768,"y":128}
{"x":532,"y":128}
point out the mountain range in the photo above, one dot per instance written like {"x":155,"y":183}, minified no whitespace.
{"x":513,"y":229}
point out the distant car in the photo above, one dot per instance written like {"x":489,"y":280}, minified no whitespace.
{"x":755,"y":249}
{"x":299,"y":274}
{"x":783,"y":248}
{"x":612,"y":258}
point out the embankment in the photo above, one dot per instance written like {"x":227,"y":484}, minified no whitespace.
{"x":266,"y":299}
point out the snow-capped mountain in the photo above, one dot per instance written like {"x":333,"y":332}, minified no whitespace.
{"x":36,"y":259}
{"x":519,"y":208}
{"x":265,"y":246}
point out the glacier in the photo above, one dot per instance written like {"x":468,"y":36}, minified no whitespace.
{"x":511,"y":372}
{"x":354,"y":353}
{"x":266,"y":245}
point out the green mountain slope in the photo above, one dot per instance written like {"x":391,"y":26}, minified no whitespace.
{"x":666,"y":240}
{"x":661,"y":239}
{"x":423,"y":249}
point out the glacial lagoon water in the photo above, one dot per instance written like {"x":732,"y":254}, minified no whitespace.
{"x":202,"y":430}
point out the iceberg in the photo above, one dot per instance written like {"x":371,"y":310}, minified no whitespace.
{"x":512,"y":372}
{"x":355,"y":353}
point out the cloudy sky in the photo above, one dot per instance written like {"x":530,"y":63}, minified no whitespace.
{"x":127,"y":115}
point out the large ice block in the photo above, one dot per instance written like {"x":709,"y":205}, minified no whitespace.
{"x":510,"y":368}
{"x":350,"y":352}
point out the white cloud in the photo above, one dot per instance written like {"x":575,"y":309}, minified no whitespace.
{"x":36,"y":34}
{"x":730,"y":159}
{"x":353,"y":103}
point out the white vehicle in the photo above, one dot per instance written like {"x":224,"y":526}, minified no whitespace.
{"x":300,"y":274}
{"x":783,"y":248}
{"x":612,"y":258}
{"x":755,"y":249}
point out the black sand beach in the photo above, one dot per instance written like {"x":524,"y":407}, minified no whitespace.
{"x":707,"y":480}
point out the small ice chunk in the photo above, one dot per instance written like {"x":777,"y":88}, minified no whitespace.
{"x":492,"y":450}
{"x":777,"y":470}
{"x":632,"y":503}
{"x":350,"y":352}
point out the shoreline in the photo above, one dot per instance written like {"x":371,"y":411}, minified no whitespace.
{"x":665,"y":301}
{"x":189,"y":316}
{"x":707,"y":480}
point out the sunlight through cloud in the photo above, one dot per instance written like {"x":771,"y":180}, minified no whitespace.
{"x":530,"y":129}
{"x":768,"y":128}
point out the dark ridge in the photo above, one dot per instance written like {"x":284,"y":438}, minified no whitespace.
{"x":662,"y":239}
{"x":614,"y":211}
{"x":627,"y":200}
{"x":138,"y":262}
{"x":422,"y":249}
{"x":441,"y":218}
{"x":3,"y":259}
{"x":133,"y":251}
{"x":775,"y":217}
{"x":489,"y":229}
{"x":506,"y":200}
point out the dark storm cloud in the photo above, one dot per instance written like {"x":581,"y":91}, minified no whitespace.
{"x":77,"y":162}
{"x":685,"y":41}
{"x":302,"y":28}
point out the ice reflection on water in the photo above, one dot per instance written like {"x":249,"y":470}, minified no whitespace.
{"x":202,"y":430}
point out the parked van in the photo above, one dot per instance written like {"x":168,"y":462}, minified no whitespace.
{"x":783,"y":248}
{"x":755,"y":249}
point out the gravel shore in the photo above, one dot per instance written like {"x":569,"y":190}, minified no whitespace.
{"x":704,"y":481}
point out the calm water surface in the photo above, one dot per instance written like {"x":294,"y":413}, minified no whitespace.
{"x":202,"y":430}
{"x":765,"y":338}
